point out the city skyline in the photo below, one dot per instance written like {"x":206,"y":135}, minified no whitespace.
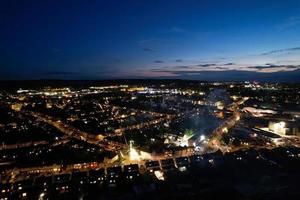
{"x":202,"y":40}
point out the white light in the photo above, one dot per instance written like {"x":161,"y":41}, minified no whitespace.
{"x":225,"y":130}
{"x":202,"y":137}
{"x":182,"y":169}
{"x":41,"y":197}
{"x":279,"y":128}
{"x":282,"y":124}
{"x":159,"y":175}
{"x":133,"y":154}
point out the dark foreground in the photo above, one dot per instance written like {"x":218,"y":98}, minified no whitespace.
{"x":250,"y":174}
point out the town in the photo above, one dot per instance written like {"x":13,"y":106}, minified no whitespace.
{"x":72,"y":139}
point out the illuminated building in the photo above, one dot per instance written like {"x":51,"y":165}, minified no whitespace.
{"x":278,"y":127}
{"x":16,"y":107}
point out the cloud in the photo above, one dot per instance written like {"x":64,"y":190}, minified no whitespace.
{"x":281,"y":51}
{"x":141,"y":73}
{"x":158,"y":44}
{"x":221,"y":68}
{"x":148,"y":45}
{"x":183,"y":67}
{"x":234,"y":75}
{"x":214,"y":67}
{"x":237,"y":75}
{"x":59,"y":73}
{"x":273,"y":68}
{"x":284,"y":61}
{"x":172,"y":72}
{"x":229,"y":63}
{"x":260,"y":67}
{"x":206,"y":65}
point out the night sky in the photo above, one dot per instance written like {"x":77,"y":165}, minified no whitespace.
{"x":187,"y":39}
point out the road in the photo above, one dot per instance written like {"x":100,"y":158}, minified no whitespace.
{"x":22,"y":145}
{"x":74,"y":133}
{"x":33,"y":144}
{"x":215,"y":141}
{"x":144,"y":124}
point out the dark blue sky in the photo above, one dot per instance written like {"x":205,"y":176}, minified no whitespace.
{"x":204,"y":39}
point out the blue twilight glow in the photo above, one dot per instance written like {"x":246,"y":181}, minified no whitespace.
{"x":204,"y":39}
